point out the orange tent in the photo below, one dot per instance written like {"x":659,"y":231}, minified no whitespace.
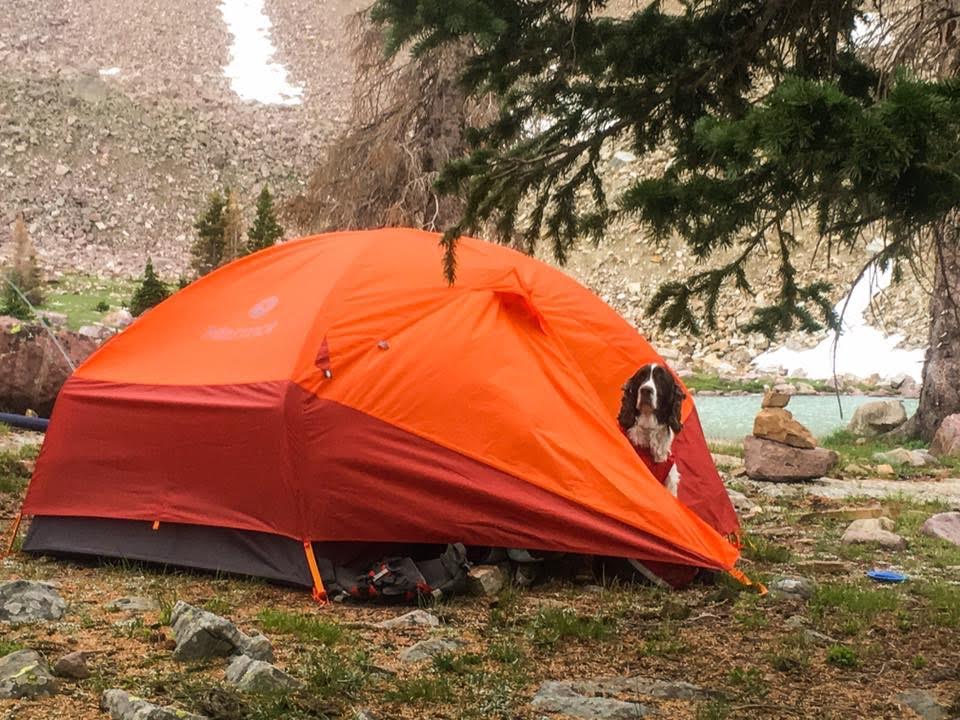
{"x":335,"y":388}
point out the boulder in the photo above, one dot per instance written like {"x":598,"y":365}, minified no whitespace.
{"x":118,"y":318}
{"x":485,"y":580}
{"x":877,"y":417}
{"x":32,"y":369}
{"x":793,"y":587}
{"x":785,"y":389}
{"x":945,"y":526}
{"x":774,"y":399}
{"x":121,"y":705}
{"x":257,"y":676}
{"x":885,"y":470}
{"x":806,"y":389}
{"x":26,"y":601}
{"x":426,"y":649}
{"x":769,"y":460}
{"x":597,"y":698}
{"x":873,"y":531}
{"x":24,"y":674}
{"x":902,"y":456}
{"x":778,"y":424}
{"x":201,"y":635}
{"x":97,"y":333}
{"x":910,"y":388}
{"x":740,"y":502}
{"x":414,"y":618}
{"x":946,"y":441}
{"x":72,"y":665}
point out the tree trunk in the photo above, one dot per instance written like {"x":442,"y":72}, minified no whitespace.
{"x":940,"y":395}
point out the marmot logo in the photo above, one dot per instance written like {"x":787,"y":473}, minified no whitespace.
{"x":263,"y":307}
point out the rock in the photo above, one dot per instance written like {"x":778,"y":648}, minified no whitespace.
{"x":793,"y":587}
{"x":201,"y":635}
{"x":778,"y":424}
{"x":364,"y":714}
{"x":121,"y":705}
{"x":73,"y":666}
{"x":726,"y":462}
{"x":946,"y":441}
{"x":885,"y":470}
{"x":902,"y":456}
{"x":24,"y":674}
{"x":924,"y":703}
{"x":878,"y":417}
{"x":485,"y":580}
{"x":426,"y":649}
{"x":133,"y":604}
{"x":595,"y":698}
{"x":95,"y":332}
{"x":118,"y":318}
{"x":257,"y":676}
{"x":26,"y":601}
{"x":785,"y":389}
{"x":414,"y":618}
{"x":910,"y":388}
{"x":769,"y":460}
{"x":874,"y":531}
{"x":806,"y":389}
{"x":741,"y":503}
{"x":945,"y":526}
{"x":53,"y":319}
{"x":32,"y":369}
{"x":774,"y":399}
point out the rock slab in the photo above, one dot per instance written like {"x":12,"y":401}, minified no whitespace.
{"x":946,"y":441}
{"x":873,"y":531}
{"x":24,"y":674}
{"x":426,"y":649}
{"x":133,"y":604}
{"x":560,"y":697}
{"x":778,"y":424}
{"x":72,"y":665}
{"x":793,"y":587}
{"x":945,"y":526}
{"x":201,"y":635}
{"x":257,"y":676}
{"x":26,"y":601}
{"x":122,"y":705}
{"x":769,"y":460}
{"x":878,"y":417}
{"x":485,"y":580}
{"x":414,"y":618}
{"x":924,"y":703}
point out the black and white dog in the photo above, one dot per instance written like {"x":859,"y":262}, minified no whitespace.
{"x":650,"y":417}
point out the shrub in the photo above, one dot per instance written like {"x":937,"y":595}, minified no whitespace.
{"x":150,"y":292}
{"x":266,"y":230}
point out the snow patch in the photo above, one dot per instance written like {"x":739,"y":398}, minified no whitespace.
{"x":862,"y":350}
{"x":253,"y":75}
{"x":110,"y":72}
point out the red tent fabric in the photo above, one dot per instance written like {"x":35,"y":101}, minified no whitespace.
{"x":335,"y":388}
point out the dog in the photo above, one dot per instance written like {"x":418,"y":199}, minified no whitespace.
{"x":650,"y":418}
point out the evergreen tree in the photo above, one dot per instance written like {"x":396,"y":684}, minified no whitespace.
{"x":151,"y":291}
{"x":771,"y":111}
{"x":208,"y":248}
{"x":233,"y":244}
{"x":266,"y":230}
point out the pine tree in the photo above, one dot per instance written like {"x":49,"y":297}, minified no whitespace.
{"x":208,"y":248}
{"x":770,"y":112}
{"x":151,"y":291}
{"x":266,"y":230}
{"x":233,"y":244}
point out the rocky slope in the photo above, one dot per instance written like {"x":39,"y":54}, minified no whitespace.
{"x":116,"y":120}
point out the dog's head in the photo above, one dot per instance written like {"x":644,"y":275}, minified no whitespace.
{"x":652,"y":390}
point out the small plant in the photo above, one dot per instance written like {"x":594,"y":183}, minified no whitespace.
{"x":760,"y":549}
{"x":851,"y":607}
{"x":506,"y":652}
{"x":919,"y":662}
{"x":749,"y":681}
{"x":304,"y":627}
{"x":458,"y":664}
{"x":336,"y":675}
{"x":9,"y":646}
{"x":425,"y":689}
{"x":217,"y":605}
{"x":793,"y":654}
{"x":149,"y":293}
{"x":551,"y":625}
{"x":102,"y":306}
{"x":13,"y":473}
{"x":842,"y":656}
{"x":266,"y":230}
{"x":713,"y":710}
{"x":665,"y":641}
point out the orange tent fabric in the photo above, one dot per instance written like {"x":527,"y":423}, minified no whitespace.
{"x":335,"y":388}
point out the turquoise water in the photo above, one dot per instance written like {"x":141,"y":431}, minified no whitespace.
{"x":731,"y":417}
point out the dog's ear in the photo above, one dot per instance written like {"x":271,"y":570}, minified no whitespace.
{"x":676,"y":406}
{"x":628,"y":403}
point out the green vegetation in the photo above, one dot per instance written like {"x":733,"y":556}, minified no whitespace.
{"x":761,"y":550}
{"x":149,"y":293}
{"x":792,"y":655}
{"x":748,"y":682}
{"x":855,"y":450}
{"x":551,"y":625}
{"x":851,"y":608}
{"x":82,"y":298}
{"x":842,"y":656}
{"x":304,"y":627}
{"x":22,"y":281}
{"x":209,"y":246}
{"x":14,"y":474}
{"x":265,"y":230}
{"x":9,"y":646}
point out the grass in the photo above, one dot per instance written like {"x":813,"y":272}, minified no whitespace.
{"x":9,"y":646}
{"x":856,"y":450}
{"x":14,"y":474}
{"x":941,"y":603}
{"x":762,"y":550}
{"x":301,"y":626}
{"x":551,"y":625}
{"x":421,"y":689}
{"x":748,"y":682}
{"x":217,"y":605}
{"x":82,"y":298}
{"x":850,"y":608}
{"x":726,"y":448}
{"x":792,"y":655}
{"x":712,"y":383}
